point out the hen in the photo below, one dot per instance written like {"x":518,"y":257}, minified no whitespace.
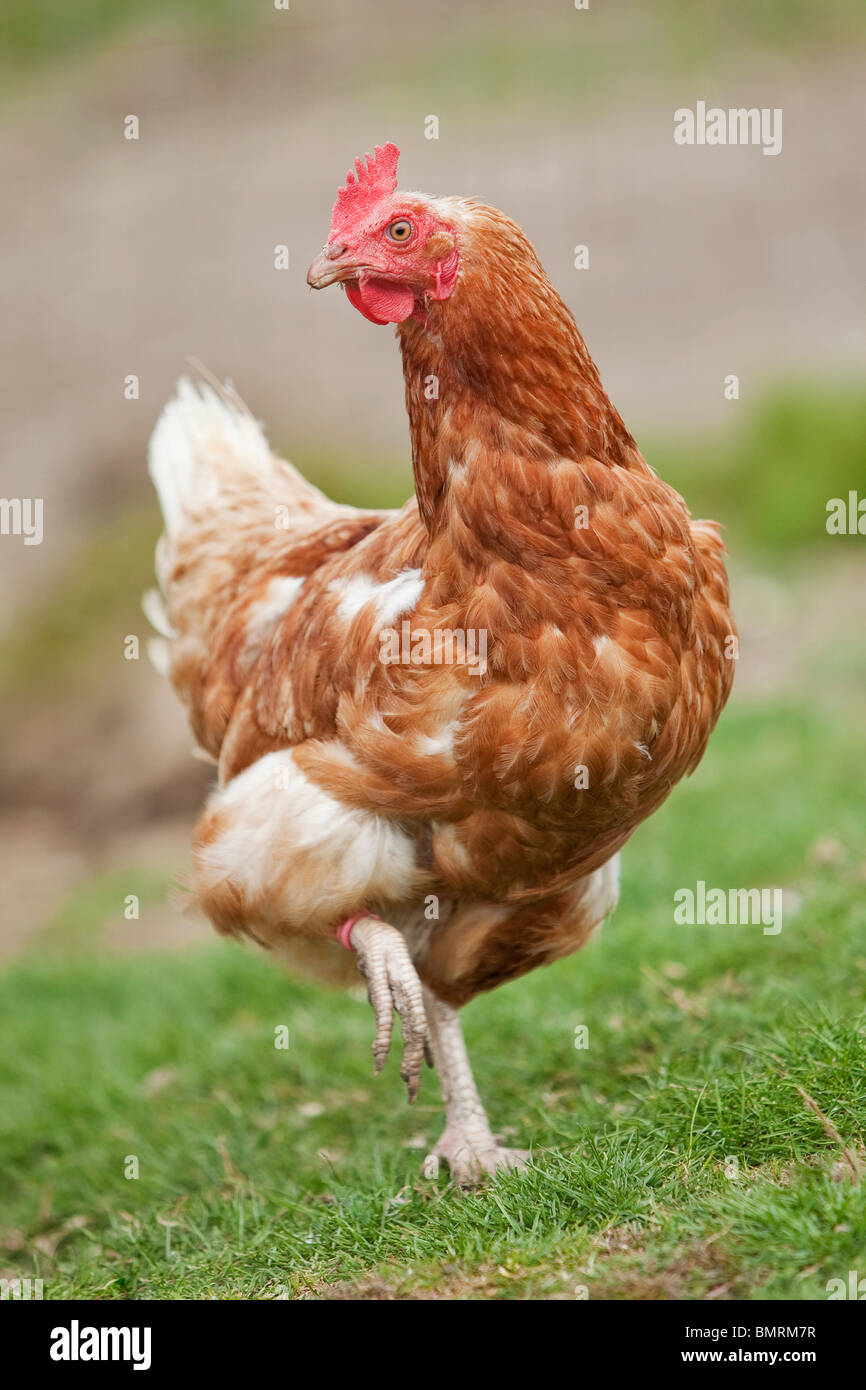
{"x":436,"y":727}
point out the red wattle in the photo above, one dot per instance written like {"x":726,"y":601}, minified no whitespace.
{"x":381,"y":301}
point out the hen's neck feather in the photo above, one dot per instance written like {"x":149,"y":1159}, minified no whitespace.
{"x":500,"y":372}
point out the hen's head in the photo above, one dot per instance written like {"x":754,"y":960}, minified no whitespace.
{"x":392,"y":252}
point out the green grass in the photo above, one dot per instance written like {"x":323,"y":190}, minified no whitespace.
{"x":698,"y":1040}
{"x":769,"y":481}
{"x":36,"y":30}
{"x":474,"y":62}
{"x":79,"y":625}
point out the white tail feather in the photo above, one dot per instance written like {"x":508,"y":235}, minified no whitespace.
{"x":200,"y":437}
{"x":221,"y":489}
{"x":158,"y":653}
{"x":154,"y":610}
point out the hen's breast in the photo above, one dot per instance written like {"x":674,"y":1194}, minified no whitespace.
{"x":610,"y":658}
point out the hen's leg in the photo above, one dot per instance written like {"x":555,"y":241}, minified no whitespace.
{"x":467,"y":1145}
{"x":392,"y":984}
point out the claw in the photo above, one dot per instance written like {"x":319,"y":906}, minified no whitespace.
{"x":471,"y":1162}
{"x":392,"y":985}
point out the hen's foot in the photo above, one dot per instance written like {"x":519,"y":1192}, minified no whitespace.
{"x":392,"y":984}
{"x":471,"y":1162}
{"x":468,"y":1144}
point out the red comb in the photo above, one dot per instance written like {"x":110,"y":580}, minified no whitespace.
{"x":367,"y":186}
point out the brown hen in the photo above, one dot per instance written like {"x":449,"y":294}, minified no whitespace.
{"x":436,"y":727}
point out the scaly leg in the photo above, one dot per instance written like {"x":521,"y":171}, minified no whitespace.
{"x":467,"y":1145}
{"x":392,"y":984}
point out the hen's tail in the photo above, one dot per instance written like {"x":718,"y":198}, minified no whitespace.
{"x":201,"y":436}
{"x":243,"y":530}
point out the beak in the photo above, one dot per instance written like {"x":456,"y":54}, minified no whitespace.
{"x":329,"y":267}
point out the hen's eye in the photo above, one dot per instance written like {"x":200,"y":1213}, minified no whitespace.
{"x":401,"y":230}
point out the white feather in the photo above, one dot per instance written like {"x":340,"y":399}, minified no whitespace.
{"x":199,"y":437}
{"x":154,"y":610}
{"x":157,"y":650}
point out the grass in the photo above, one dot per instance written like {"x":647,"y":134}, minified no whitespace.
{"x":673,"y":1157}
{"x":469,"y":63}
{"x":762,"y":481}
